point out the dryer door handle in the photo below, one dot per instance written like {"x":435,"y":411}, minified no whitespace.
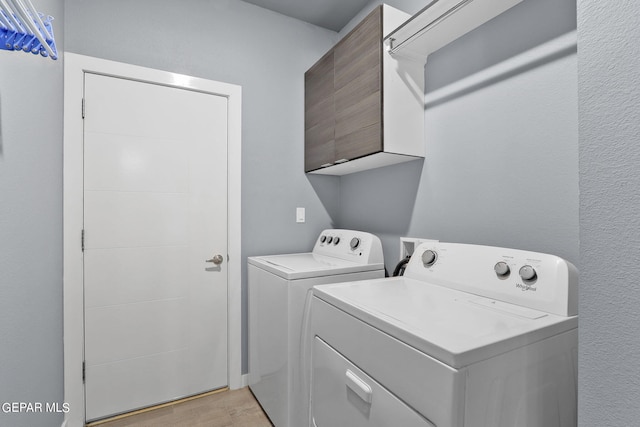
{"x":358,"y":386}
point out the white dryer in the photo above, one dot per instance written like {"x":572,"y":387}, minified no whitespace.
{"x":279,"y":288}
{"x":470,"y":336}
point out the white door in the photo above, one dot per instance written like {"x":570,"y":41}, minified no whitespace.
{"x":155,"y":208}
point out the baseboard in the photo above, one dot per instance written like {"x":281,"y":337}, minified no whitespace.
{"x":244,"y":380}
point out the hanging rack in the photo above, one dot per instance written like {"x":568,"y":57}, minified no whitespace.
{"x":22,"y":28}
{"x":440,"y":23}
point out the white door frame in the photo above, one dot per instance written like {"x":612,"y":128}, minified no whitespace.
{"x":75,"y":66}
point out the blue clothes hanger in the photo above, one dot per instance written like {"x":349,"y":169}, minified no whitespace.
{"x":22,"y":28}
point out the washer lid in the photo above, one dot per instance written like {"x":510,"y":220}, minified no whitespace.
{"x":307,"y":265}
{"x":454,"y":327}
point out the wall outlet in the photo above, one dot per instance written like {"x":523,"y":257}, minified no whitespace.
{"x":300,"y":215}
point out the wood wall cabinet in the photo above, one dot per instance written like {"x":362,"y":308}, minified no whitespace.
{"x":363,"y":107}
{"x":319,"y":118}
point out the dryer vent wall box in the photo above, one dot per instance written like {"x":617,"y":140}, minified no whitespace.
{"x":279,"y":294}
{"x":470,"y":336}
{"x":409,"y":244}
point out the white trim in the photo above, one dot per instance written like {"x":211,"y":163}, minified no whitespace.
{"x":546,"y":52}
{"x":244,"y":381}
{"x":74,"y":68}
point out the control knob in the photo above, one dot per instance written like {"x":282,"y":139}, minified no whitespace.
{"x":429,"y":257}
{"x":323,"y":238}
{"x":329,"y":240}
{"x":528,"y":273}
{"x":502,"y":269}
{"x":355,"y":242}
{"x":336,"y":240}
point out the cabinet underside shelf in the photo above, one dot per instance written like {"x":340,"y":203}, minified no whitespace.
{"x":371,"y":161}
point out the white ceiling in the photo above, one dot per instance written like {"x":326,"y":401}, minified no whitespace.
{"x":330,"y":14}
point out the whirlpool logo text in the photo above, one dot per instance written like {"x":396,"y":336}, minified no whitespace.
{"x":525,"y":288}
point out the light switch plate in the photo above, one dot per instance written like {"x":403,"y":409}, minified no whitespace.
{"x":300,"y":215}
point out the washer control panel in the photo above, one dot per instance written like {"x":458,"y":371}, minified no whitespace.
{"x":530,"y":279}
{"x":351,"y":245}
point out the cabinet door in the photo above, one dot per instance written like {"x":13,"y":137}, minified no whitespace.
{"x":319,"y":118}
{"x":358,"y":90}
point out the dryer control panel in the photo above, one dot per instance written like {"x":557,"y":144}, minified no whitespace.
{"x":352,"y":245}
{"x":529,"y":279}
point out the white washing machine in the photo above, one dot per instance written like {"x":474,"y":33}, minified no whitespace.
{"x":470,"y":336}
{"x":279,"y":290}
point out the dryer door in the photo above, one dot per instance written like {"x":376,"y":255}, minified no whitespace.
{"x":343,"y":395}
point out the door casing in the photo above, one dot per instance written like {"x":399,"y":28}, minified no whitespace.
{"x":75,"y":67}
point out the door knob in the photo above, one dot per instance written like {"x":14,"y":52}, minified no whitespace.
{"x":217,"y":259}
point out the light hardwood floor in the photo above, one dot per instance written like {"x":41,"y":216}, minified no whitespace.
{"x":232,"y":408}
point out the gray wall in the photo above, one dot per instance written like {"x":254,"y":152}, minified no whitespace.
{"x":234,"y":42}
{"x":452,"y":196}
{"x":31,"y":172}
{"x":31,"y":229}
{"x":609,"y":94}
